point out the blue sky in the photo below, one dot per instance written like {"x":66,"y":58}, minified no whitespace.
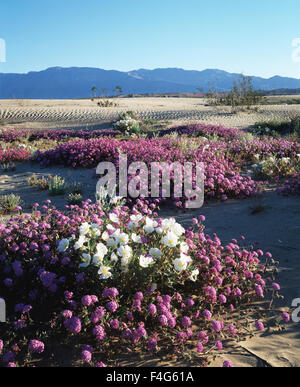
{"x":254,"y":36}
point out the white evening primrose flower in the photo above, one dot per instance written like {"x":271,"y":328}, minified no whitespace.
{"x":97,"y":259}
{"x":105,"y":236}
{"x":285,"y":160}
{"x":122,"y":239}
{"x":124,"y":251}
{"x":180,"y":264}
{"x":136,"y":238}
{"x":159,"y":230}
{"x":155,"y":253}
{"x":194,"y":275}
{"x":186,"y":257}
{"x":167,"y":224}
{"x":132,"y":225}
{"x":114,"y":257}
{"x":113,"y":218}
{"x":177,"y":229}
{"x":184,"y":247}
{"x":79,"y":244}
{"x":170,"y":240}
{"x":101,"y":249}
{"x":86,"y":260}
{"x":145,"y":262}
{"x":272,"y":159}
{"x":136,"y":218}
{"x":104,"y":272}
{"x":112,"y":243}
{"x":63,"y":245}
{"x":84,"y":229}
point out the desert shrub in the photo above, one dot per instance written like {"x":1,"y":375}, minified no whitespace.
{"x":41,"y":183}
{"x":57,"y":186}
{"x":291,"y":186}
{"x":276,"y":167}
{"x":242,"y":95}
{"x":128,"y":126}
{"x":8,"y":167}
{"x":107,"y":103}
{"x":9,"y":203}
{"x":74,"y":198}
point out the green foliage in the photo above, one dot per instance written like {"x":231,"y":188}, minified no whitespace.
{"x":57,"y":186}
{"x":8,"y":203}
{"x":74,"y":198}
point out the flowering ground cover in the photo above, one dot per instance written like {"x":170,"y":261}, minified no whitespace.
{"x":112,"y":281}
{"x":105,"y":280}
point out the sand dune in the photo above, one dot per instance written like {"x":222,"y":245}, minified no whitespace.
{"x":58,"y":113}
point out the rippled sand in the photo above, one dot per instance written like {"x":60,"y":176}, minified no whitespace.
{"x":64,"y":113}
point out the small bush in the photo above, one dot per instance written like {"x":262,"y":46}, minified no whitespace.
{"x":8,"y":167}
{"x":74,"y":198}
{"x":107,"y":103}
{"x":42,"y":183}
{"x":57,"y":186}
{"x":9,"y":203}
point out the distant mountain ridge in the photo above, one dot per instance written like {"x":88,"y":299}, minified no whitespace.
{"x":76,"y":82}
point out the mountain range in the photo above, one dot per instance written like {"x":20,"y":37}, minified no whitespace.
{"x":77,"y":82}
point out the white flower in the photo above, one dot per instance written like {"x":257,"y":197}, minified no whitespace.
{"x":95,"y":228}
{"x":101,"y":249}
{"x":145,"y":261}
{"x":136,"y":238}
{"x":112,"y":242}
{"x":104,"y":272}
{"x":84,"y":229}
{"x":194,"y":275}
{"x":167,"y":224}
{"x":184,"y":247}
{"x":132,"y":225}
{"x":180,"y":264}
{"x":63,"y":245}
{"x":272,"y":160}
{"x":285,"y":160}
{"x":79,"y":244}
{"x":153,"y":287}
{"x":97,"y":259}
{"x":150,"y":225}
{"x":136,"y":218}
{"x":113,"y":218}
{"x":114,"y":257}
{"x":86,"y":259}
{"x":125,"y":251}
{"x":159,"y":230}
{"x":155,"y":253}
{"x":122,"y":239}
{"x":177,"y":229}
{"x":105,"y":236}
{"x":170,"y":240}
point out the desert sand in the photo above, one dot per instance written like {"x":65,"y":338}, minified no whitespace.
{"x":40,"y":114}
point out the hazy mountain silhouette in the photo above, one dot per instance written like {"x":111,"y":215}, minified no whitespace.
{"x":76,"y":82}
